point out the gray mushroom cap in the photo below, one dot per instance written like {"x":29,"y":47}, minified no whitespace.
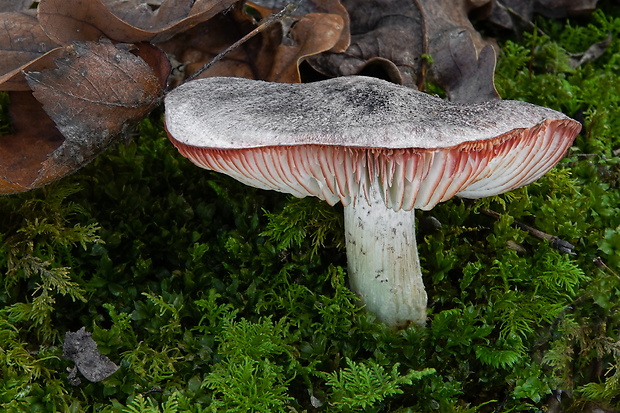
{"x":336,"y":139}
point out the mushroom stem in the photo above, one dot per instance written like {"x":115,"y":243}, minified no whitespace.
{"x":384,"y":268}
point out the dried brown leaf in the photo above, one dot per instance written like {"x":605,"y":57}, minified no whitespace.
{"x":21,"y":42}
{"x":272,"y":55}
{"x":156,"y":59}
{"x":467,"y":76}
{"x":563,"y":8}
{"x":66,"y":21}
{"x":33,"y":139}
{"x":15,"y":79}
{"x":314,"y":33}
{"x":394,"y":35}
{"x":335,"y":7}
{"x":463,"y":62}
{"x":93,"y":96}
{"x":15,"y":5}
{"x":306,"y":7}
{"x":143,"y":14}
{"x":390,"y":30}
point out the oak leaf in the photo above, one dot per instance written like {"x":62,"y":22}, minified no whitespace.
{"x":398,"y":35}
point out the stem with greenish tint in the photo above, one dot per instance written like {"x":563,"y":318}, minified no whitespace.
{"x":384,"y":268}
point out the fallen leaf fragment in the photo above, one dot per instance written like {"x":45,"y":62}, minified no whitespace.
{"x":592,"y":53}
{"x":395,"y":36}
{"x":93,"y":19}
{"x":197,"y":46}
{"x":562,"y":8}
{"x":16,"y":79}
{"x":465,"y":74}
{"x":156,"y":59}
{"x":314,"y":33}
{"x":463,"y":62}
{"x":147,"y":15}
{"x":22,"y":41}
{"x":33,"y":139}
{"x":387,"y":32}
{"x":80,"y":348}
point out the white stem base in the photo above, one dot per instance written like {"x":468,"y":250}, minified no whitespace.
{"x":384,"y":268}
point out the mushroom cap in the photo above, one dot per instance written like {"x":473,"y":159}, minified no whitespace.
{"x":336,"y":138}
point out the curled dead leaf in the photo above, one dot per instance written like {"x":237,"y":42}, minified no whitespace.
{"x":466,"y":74}
{"x":21,"y":44}
{"x":373,"y":27}
{"x":593,"y":52}
{"x":16,"y":80}
{"x":314,"y":33}
{"x":129,"y":21}
{"x":307,"y":7}
{"x":156,"y":59}
{"x":196,"y":47}
{"x":21,"y":40}
{"x":562,"y":8}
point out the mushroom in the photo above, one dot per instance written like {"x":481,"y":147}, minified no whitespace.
{"x":381,"y":149}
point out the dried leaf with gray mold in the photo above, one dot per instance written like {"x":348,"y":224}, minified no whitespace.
{"x":80,"y":348}
{"x":96,"y":93}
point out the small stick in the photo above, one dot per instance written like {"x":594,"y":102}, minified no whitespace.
{"x":601,"y":264}
{"x":286,"y":11}
{"x":556,"y":242}
{"x":523,"y":19}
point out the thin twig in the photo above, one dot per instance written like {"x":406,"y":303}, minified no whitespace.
{"x":523,"y":19}
{"x":598,"y":261}
{"x":268,"y":22}
{"x":556,"y":242}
